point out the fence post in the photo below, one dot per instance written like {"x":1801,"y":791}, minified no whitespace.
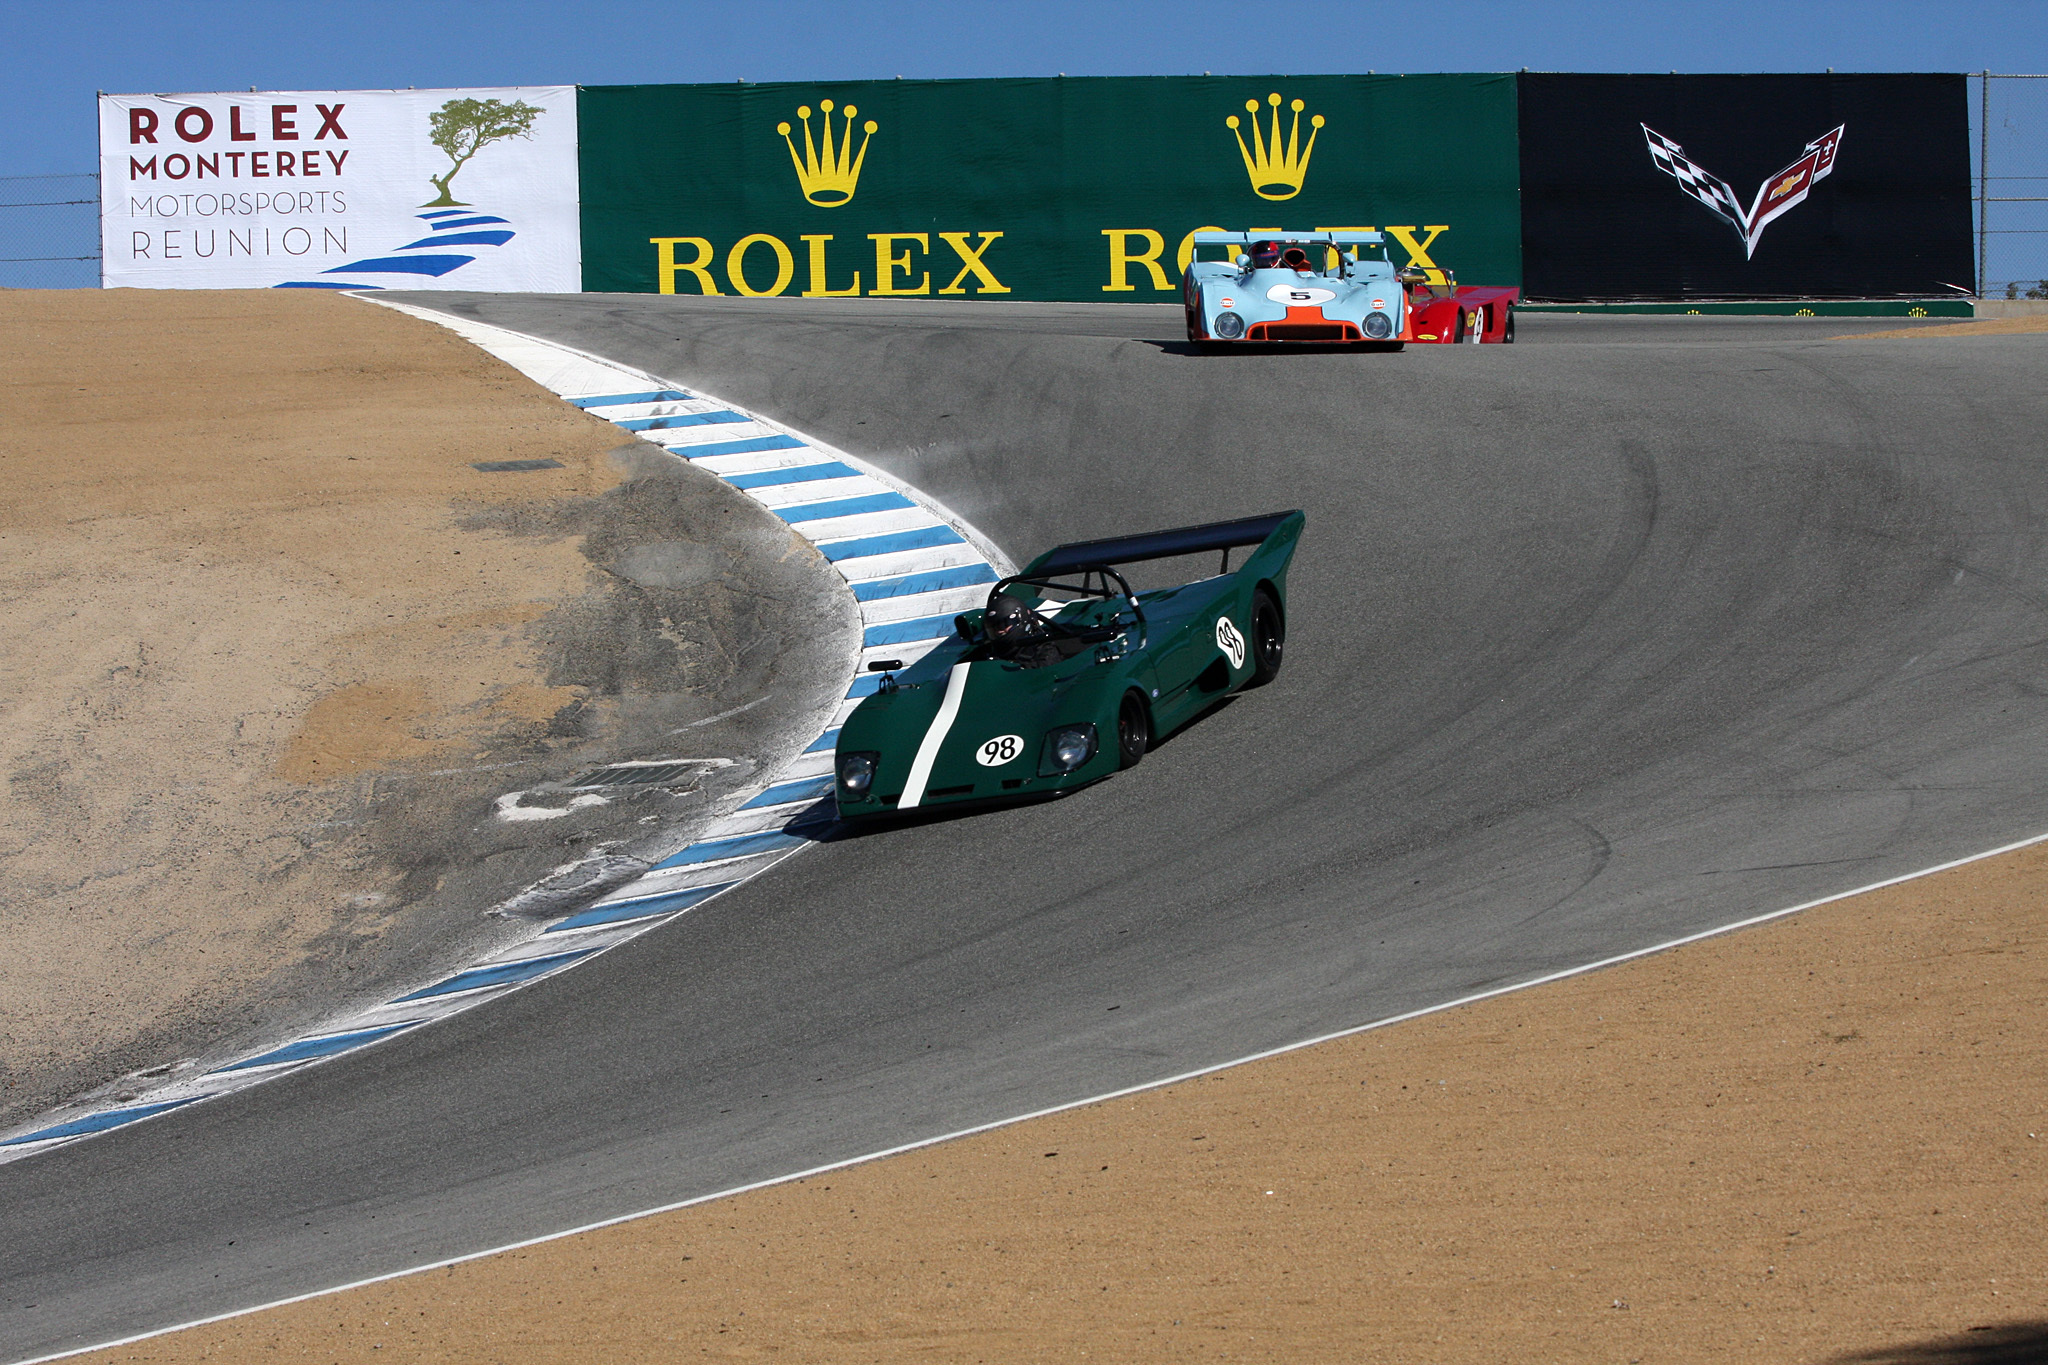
{"x":1983,"y":177}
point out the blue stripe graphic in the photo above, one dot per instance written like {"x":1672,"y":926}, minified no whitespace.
{"x":796,"y":473}
{"x":440,"y":213}
{"x":496,"y":237}
{"x":932,"y":580}
{"x":402,"y":265}
{"x":619,"y":400}
{"x":498,"y":974}
{"x":908,"y":632}
{"x":740,"y":447}
{"x":478,"y":220}
{"x":96,"y":1123}
{"x":680,"y":419}
{"x":923,"y":538}
{"x":307,"y":1048}
{"x":739,"y":846}
{"x":620,"y":911}
{"x":843,"y":507}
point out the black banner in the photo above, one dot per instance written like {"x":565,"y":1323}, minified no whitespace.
{"x":1687,"y":187}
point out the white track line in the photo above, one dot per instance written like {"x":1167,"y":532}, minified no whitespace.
{"x":994,"y":1124}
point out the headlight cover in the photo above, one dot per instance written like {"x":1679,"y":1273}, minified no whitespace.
{"x":1229,"y":326}
{"x":1066,"y":748}
{"x":857,"y":772}
{"x":1378,"y":326}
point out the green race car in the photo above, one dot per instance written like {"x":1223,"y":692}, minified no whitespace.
{"x":1067,"y":674}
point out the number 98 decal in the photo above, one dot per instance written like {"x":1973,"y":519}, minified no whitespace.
{"x":994,"y":753}
{"x":1230,"y":642}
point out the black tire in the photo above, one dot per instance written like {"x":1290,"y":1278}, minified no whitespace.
{"x":1133,"y":730}
{"x":1458,"y":332}
{"x":1507,"y":331}
{"x":1269,"y":639}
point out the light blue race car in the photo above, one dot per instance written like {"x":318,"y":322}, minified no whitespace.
{"x":1296,"y":286}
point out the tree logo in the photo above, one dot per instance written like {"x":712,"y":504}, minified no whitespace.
{"x":464,"y":127}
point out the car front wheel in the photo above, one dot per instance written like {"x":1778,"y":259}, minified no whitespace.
{"x":1133,"y":731}
{"x":1269,"y":639}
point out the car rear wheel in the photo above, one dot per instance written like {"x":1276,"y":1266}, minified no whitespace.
{"x":1133,"y":730}
{"x":1507,"y":331}
{"x":1269,"y":639}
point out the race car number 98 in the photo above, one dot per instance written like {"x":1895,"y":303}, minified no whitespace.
{"x":1229,"y":641}
{"x":994,"y":753}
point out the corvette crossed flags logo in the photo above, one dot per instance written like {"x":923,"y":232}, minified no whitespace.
{"x":1776,"y":197}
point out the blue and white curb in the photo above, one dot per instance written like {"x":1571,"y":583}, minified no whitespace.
{"x":910,"y":563}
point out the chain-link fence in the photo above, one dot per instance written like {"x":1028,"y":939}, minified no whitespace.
{"x":2011,"y":117}
{"x":49,"y":231}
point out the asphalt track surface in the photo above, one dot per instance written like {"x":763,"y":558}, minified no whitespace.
{"x":1635,"y":628}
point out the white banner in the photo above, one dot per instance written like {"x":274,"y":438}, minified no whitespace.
{"x":341,"y":189}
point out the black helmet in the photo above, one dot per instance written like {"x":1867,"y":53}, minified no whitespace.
{"x":1009,"y":622}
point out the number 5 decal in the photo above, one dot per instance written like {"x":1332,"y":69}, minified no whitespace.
{"x":1230,"y":642}
{"x":994,"y":753}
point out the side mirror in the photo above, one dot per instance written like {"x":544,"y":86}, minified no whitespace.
{"x":1244,"y":262}
{"x":963,"y":627}
{"x":885,"y":665}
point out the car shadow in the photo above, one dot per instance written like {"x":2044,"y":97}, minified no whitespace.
{"x":2008,"y":1343}
{"x":1229,"y":351}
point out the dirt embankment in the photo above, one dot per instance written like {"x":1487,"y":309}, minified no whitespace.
{"x":272,"y":647}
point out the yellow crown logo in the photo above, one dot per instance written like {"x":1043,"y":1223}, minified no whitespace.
{"x":828,"y":182}
{"x":1276,"y":167}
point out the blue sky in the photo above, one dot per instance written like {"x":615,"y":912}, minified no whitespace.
{"x":56,"y":55}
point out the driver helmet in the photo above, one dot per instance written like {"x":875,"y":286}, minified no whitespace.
{"x":1264,"y":254}
{"x":1295,"y":259}
{"x":1009,"y":622}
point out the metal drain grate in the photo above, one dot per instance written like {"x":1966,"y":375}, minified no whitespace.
{"x":513,"y":466}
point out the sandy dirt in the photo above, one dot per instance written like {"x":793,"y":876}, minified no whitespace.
{"x":1981,"y":327}
{"x":270,"y":646}
{"x":1824,"y":1139}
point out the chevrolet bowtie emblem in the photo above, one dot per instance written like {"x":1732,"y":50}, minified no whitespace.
{"x":1777,"y":196}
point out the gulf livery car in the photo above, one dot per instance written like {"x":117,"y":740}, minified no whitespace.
{"x":1305,"y":286}
{"x":1067,"y":675}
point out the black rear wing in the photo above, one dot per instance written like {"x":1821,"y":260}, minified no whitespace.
{"x":1188,"y":540}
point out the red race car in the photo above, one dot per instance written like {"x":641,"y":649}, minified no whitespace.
{"x":1439,"y":310}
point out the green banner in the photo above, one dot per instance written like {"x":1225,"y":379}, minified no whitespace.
{"x":1061,"y":189}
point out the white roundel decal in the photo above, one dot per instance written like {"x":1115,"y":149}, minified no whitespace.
{"x":994,"y":753}
{"x":1229,"y":641}
{"x":1300,"y":295}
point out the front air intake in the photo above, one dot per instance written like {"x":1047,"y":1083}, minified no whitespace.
{"x":1304,"y":331}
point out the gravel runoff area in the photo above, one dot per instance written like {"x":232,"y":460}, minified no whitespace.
{"x":1819,"y":1140}
{"x":273,"y":653}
